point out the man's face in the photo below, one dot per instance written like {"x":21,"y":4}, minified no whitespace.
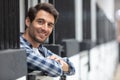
{"x":41,"y":27}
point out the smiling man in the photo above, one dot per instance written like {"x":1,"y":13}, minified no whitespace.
{"x":40,"y":22}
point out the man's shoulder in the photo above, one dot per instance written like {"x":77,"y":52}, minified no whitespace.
{"x":24,"y":43}
{"x":22,"y":40}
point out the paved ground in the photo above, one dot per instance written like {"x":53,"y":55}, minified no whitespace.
{"x":117,"y":74}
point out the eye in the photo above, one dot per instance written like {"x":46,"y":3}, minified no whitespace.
{"x":51,"y":25}
{"x":41,"y":21}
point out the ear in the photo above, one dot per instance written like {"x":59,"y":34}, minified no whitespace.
{"x":27,"y":21}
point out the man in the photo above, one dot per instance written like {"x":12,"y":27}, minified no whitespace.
{"x":40,"y":22}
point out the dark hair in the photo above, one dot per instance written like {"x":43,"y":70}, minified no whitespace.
{"x":42,"y":6}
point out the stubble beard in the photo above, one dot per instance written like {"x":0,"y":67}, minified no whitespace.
{"x":33,"y":37}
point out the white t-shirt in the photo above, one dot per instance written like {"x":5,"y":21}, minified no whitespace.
{"x":36,"y":51}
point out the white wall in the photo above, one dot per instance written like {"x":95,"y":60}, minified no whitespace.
{"x":108,"y":7}
{"x":103,"y":61}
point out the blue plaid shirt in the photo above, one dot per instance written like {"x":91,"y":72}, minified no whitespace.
{"x":42,"y":63}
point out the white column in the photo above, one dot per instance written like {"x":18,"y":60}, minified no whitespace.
{"x":78,"y":20}
{"x":32,"y":3}
{"x":93,"y":20}
{"x":22,"y":15}
{"x":44,"y":1}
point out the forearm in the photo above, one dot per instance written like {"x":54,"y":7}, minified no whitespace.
{"x":67,"y":66}
{"x":71,"y":67}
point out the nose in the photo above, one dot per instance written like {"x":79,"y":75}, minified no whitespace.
{"x":45,"y":27}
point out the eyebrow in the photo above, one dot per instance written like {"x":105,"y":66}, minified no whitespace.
{"x":44,"y":20}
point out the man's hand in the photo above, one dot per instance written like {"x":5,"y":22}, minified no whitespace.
{"x":65,"y":66}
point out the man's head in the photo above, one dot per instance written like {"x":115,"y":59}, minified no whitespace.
{"x":40,"y":22}
{"x":42,"y":6}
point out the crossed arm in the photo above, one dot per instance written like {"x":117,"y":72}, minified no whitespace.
{"x":53,"y":65}
{"x":65,"y":66}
